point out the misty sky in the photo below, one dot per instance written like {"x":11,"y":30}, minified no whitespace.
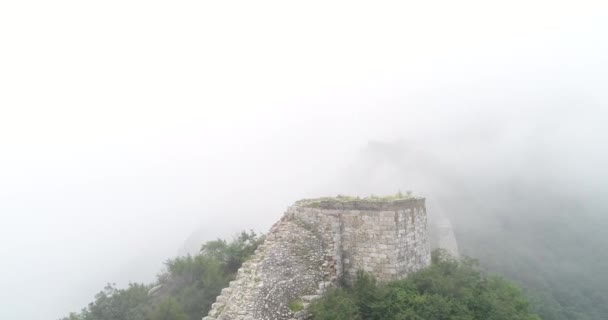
{"x":125,"y":126}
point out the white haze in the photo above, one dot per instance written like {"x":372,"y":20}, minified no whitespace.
{"x":127,"y":125}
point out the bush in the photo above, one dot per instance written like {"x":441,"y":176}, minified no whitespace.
{"x":187,"y":289}
{"x":449,"y":289}
{"x":337,"y":304}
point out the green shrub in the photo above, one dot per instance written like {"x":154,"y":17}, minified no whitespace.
{"x":296,"y":305}
{"x":189,"y":286}
{"x":449,"y":289}
{"x":337,"y":304}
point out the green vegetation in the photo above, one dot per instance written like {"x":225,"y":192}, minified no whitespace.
{"x":187,"y":288}
{"x":449,"y":289}
{"x":296,"y":305}
{"x":372,"y":198}
{"x":552,"y":245}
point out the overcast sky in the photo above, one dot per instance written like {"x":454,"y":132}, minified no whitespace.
{"x":127,"y":125}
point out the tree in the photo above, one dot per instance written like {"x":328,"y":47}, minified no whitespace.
{"x":187,"y":288}
{"x":168,"y":309}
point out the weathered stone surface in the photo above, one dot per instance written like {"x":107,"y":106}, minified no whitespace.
{"x":313,"y":247}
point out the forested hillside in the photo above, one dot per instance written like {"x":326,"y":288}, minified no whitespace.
{"x":449,"y":289}
{"x":185,"y":291}
{"x":551,"y":244}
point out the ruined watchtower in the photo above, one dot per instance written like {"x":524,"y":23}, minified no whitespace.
{"x":321,"y":243}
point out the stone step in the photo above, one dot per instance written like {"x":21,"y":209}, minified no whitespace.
{"x":234,"y":283}
{"x":310,"y":298}
{"x":325,"y":284}
{"x":217,"y":305}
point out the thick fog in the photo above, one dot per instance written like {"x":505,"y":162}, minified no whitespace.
{"x":131,"y":131}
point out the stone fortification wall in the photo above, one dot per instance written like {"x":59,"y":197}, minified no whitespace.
{"x":319,"y":244}
{"x":388,"y":242}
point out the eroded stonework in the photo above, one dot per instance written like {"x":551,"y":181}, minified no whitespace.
{"x":320,"y":244}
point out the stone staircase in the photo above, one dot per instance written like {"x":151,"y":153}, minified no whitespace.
{"x":291,"y":267}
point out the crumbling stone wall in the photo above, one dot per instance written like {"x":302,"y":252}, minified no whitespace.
{"x":318,"y":244}
{"x":388,"y":242}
